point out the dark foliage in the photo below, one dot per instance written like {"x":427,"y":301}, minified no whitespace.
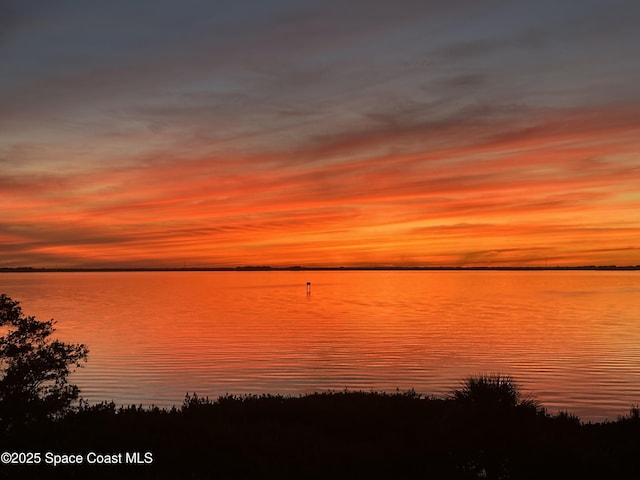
{"x":33,"y":369}
{"x":333,"y":435}
{"x":492,"y":391}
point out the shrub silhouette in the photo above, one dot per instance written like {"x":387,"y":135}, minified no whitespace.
{"x":495,"y":391}
{"x":33,"y":368}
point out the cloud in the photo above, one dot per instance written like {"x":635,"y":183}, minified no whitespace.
{"x":223,"y":135}
{"x":173,"y":207}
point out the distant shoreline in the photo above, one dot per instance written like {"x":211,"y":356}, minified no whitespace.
{"x":260,"y":268}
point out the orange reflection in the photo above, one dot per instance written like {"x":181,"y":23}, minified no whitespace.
{"x":571,"y":338}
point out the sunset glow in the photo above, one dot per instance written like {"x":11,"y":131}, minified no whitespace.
{"x":210,"y":134}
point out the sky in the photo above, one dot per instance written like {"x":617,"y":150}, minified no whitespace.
{"x":157,"y":133}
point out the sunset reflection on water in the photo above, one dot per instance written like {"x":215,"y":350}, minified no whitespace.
{"x":572,"y":339}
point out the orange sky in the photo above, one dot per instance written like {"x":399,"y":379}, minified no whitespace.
{"x":380,"y":138}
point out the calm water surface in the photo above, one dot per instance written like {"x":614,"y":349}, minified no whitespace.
{"x":572,"y":339}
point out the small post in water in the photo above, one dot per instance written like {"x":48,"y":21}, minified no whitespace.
{"x":308,"y":288}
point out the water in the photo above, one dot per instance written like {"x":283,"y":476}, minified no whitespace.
{"x":570,"y":338}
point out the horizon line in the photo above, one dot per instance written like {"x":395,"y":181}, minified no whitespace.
{"x":315,"y":268}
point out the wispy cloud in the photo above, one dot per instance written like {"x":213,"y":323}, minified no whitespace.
{"x":410,"y":133}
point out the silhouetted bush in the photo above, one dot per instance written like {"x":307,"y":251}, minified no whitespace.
{"x":494,"y":391}
{"x":334,"y":434}
{"x":33,"y":369}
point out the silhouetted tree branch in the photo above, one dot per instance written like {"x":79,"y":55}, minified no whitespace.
{"x":33,"y":368}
